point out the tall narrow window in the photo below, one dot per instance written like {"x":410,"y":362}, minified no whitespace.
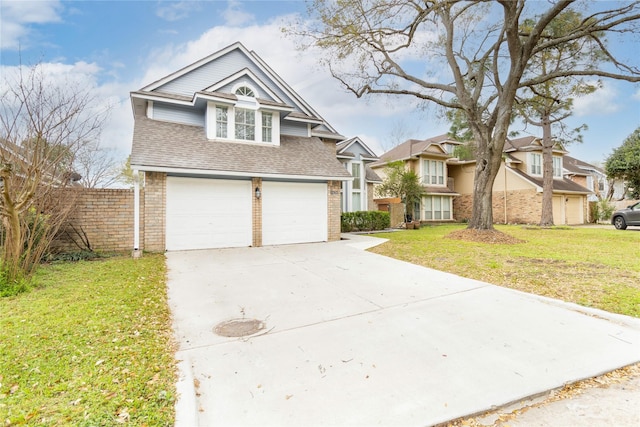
{"x":356,"y":187}
{"x":536,"y":164}
{"x":557,"y":167}
{"x":245,"y":124}
{"x":355,"y":172}
{"x":267,"y":127}
{"x":221,"y":122}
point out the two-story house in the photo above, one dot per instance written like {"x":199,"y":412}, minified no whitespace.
{"x":232,"y":156}
{"x":517,"y":189}
{"x":356,"y":157}
{"x":593,"y":178}
{"x":430,"y":159}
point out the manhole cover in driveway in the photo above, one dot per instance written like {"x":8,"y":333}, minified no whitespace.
{"x":239,"y":327}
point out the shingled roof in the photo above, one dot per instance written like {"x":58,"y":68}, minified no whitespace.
{"x":158,"y":144}
{"x":564,"y":185}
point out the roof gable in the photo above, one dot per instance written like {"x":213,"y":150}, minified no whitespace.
{"x":355,"y":145}
{"x":219,"y":70}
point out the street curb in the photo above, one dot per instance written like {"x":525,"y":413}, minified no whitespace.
{"x":186,"y":406}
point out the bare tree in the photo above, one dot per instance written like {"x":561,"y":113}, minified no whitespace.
{"x":473,"y":54}
{"x":43,"y":124}
{"x":96,"y":165}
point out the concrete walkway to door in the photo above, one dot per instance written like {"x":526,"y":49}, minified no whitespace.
{"x":355,"y":338}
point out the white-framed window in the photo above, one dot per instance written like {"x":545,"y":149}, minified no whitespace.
{"x":433,"y":172}
{"x":245,"y":91}
{"x":535,"y":164}
{"x":356,"y":187}
{"x":557,"y":167}
{"x":222,"y":121}
{"x":245,"y":122}
{"x":436,"y":208}
{"x":267,"y":127}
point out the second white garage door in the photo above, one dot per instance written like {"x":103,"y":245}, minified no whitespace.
{"x":208,"y":213}
{"x":293,"y":212}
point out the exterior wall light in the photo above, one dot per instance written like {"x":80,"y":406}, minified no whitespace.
{"x":258,"y":193}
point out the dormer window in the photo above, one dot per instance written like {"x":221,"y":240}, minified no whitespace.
{"x":245,"y":91}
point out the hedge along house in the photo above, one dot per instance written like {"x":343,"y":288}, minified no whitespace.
{"x":232,"y":156}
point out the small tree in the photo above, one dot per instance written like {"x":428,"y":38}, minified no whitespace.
{"x":624,"y":163}
{"x":43,"y":124}
{"x":401,"y":183}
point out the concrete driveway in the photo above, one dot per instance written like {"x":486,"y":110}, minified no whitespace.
{"x":355,"y":338}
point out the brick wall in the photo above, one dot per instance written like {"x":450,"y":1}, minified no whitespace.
{"x":155,"y":196}
{"x":524,"y":207}
{"x":371,"y":205}
{"x":104,"y":217}
{"x":333,"y":207}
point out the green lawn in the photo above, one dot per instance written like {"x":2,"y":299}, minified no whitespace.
{"x":594,"y":267}
{"x":91,"y":345}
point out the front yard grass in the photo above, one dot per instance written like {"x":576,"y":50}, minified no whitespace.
{"x":91,"y":345}
{"x":594,"y":267}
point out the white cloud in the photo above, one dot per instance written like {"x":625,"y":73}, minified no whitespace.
{"x":235,"y":15}
{"x":175,"y":11}
{"x":17,"y":18}
{"x":601,"y":102}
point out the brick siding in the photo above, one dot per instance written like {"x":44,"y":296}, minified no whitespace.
{"x":333,"y":207}
{"x":524,"y":207}
{"x":155,"y":197}
{"x":256,"y":213}
{"x":104,"y":217}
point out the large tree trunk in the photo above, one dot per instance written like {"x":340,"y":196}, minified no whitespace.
{"x":546,"y":217}
{"x":488,"y":162}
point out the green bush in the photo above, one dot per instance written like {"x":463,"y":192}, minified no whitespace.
{"x":364,"y":221}
{"x":11,"y":287}
{"x":602,"y":210}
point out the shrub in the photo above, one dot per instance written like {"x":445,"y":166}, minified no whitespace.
{"x":10,"y":287}
{"x":602,"y":210}
{"x":364,"y":221}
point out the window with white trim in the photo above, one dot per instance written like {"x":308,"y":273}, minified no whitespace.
{"x":221,"y":121}
{"x":557,"y":167}
{"x":245,"y":91}
{"x":356,"y":187}
{"x":432,"y":172}
{"x":436,"y":208}
{"x":245,"y":121}
{"x":535,"y":164}
{"x":267,"y":127}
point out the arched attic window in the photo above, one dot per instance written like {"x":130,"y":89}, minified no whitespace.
{"x":245,"y":91}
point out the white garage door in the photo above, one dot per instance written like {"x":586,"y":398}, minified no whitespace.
{"x":293,"y":213}
{"x":208,"y":213}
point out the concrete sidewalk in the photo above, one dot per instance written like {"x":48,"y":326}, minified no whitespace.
{"x":355,"y":338}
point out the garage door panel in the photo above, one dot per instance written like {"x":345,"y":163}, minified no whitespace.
{"x":207,"y":213}
{"x":293,"y":212}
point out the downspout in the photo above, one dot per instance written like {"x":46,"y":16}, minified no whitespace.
{"x":136,"y":214}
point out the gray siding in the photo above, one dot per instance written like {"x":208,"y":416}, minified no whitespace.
{"x":178,"y":114}
{"x":357,"y":149}
{"x":293,"y":128}
{"x":217,"y":70}
{"x":246,"y":80}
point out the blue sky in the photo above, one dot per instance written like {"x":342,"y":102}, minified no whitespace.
{"x":121,"y":46}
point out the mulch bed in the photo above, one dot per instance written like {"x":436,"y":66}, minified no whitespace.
{"x":484,"y":236}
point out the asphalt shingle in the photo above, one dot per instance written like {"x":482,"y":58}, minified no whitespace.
{"x":173,"y":145}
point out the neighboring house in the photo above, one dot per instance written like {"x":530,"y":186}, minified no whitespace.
{"x":232,"y":156}
{"x":357,"y":195}
{"x":593,"y":178}
{"x":430,"y":159}
{"x":517,"y":189}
